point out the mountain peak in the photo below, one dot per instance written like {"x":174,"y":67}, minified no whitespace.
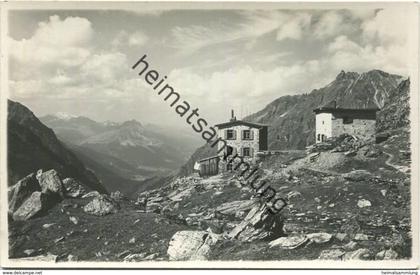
{"x":132,"y":123}
{"x":346,"y":75}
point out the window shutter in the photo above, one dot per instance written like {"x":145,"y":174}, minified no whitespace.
{"x":234,"y":134}
{"x":251,"y":135}
{"x":242,"y":152}
{"x":251,"y":152}
{"x":225,"y":133}
{"x":243,"y":134}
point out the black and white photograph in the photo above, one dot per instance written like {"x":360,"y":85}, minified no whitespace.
{"x":209,"y":135}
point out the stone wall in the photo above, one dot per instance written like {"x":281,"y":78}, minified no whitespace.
{"x":362,"y":128}
{"x":238,"y":143}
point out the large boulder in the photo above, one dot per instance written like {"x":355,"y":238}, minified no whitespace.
{"x":19,"y":192}
{"x":231,"y":208}
{"x":32,"y":207}
{"x":50,"y":182}
{"x":191,"y":245}
{"x":73,"y":188}
{"x":101,"y":205}
{"x":290,"y":242}
{"x":357,"y":175}
{"x":259,"y":224}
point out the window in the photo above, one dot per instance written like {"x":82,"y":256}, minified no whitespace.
{"x":347,"y":120}
{"x":229,"y":167}
{"x":246,"y":135}
{"x":230,"y":134}
{"x":246,"y":151}
{"x":319,"y":137}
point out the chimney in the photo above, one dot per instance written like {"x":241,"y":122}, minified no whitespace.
{"x":233,"y":118}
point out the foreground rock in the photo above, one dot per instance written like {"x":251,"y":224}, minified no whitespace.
{"x":357,"y":175}
{"x":50,"y":182}
{"x":319,"y":238}
{"x":101,"y":205}
{"x":231,"y":208}
{"x":73,"y":188}
{"x":259,"y":224}
{"x":291,"y":242}
{"x":33,"y":206}
{"x":19,"y":192}
{"x":191,"y":245}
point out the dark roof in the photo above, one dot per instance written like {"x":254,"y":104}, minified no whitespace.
{"x":332,"y":107}
{"x":239,"y":122}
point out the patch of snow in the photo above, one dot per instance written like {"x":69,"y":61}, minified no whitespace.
{"x":64,"y":116}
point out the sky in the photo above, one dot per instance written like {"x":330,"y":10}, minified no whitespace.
{"x":79,"y":62}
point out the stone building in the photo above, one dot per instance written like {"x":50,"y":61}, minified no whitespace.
{"x":243,"y":138}
{"x":332,"y":121}
{"x":240,"y":138}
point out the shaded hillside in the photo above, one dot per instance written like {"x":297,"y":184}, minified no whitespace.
{"x":291,"y":118}
{"x":33,"y":146}
{"x":396,"y":111}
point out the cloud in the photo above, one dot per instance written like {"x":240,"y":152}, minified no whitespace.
{"x":294,"y":27}
{"x":253,"y":24}
{"x":63,"y":42}
{"x":330,"y":24}
{"x":123,"y":38}
{"x":350,"y":55}
{"x":389,"y":26}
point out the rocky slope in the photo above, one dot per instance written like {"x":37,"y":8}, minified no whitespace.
{"x":33,"y":146}
{"x":396,"y":110}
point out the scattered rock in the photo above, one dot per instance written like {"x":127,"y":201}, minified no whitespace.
{"x":41,"y":258}
{"x":341,"y":236}
{"x":350,"y":245}
{"x":383,"y":192}
{"x":58,"y":240}
{"x":291,"y":242}
{"x":73,"y":188}
{"x":32,"y":207}
{"x":19,"y":192}
{"x":47,"y":225}
{"x":363,"y":203}
{"x":50,"y":182}
{"x":74,"y":220}
{"x":331,"y":254}
{"x":359,"y":254}
{"x":357,"y":175}
{"x":259,"y":224}
{"x":191,"y":245}
{"x":319,"y":237}
{"x":134,"y":257}
{"x":117,"y":196}
{"x":91,"y":194}
{"x":132,"y":240}
{"x":231,"y":208}
{"x":389,"y":254}
{"x":293,"y":194}
{"x":101,"y":205}
{"x":151,"y":257}
{"x":29,"y":252}
{"x":123,"y":254}
{"x":361,"y":237}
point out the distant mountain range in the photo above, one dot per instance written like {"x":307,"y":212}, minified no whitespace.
{"x":128,"y":150}
{"x":33,"y":146}
{"x":291,"y":119}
